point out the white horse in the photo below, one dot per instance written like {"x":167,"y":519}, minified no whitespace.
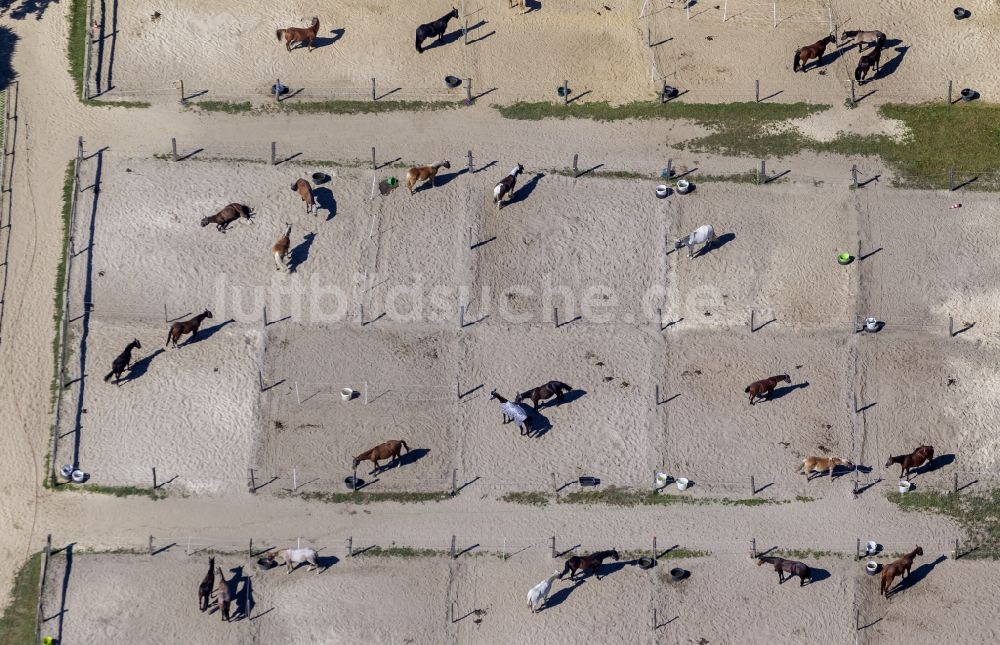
{"x":540,"y":593}
{"x":297,"y":557}
{"x":701,"y":235}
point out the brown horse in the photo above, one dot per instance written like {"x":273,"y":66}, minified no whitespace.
{"x":813,"y":464}
{"x":305,"y":191}
{"x":299,"y":35}
{"x":791,"y":567}
{"x":424,"y":173}
{"x":765,"y":386}
{"x":227,"y":216}
{"x":280,"y":249}
{"x":816,"y":50}
{"x":122,"y":361}
{"x":867,"y":62}
{"x":182,"y":327}
{"x":586,"y":563}
{"x":389,"y":450}
{"x":222,"y":596}
{"x":915,"y":459}
{"x":900,"y":567}
{"x":205,"y":588}
{"x":547,"y":391}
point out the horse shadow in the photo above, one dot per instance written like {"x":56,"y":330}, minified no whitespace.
{"x":324,"y":562}
{"x":916,"y":575}
{"x":323,"y":41}
{"x":940,"y":461}
{"x":560,"y":596}
{"x":891,"y":66}
{"x":718,"y":243}
{"x":569,"y":397}
{"x":538,"y":422}
{"x":301,"y":252}
{"x":532,"y":5}
{"x":779,"y":392}
{"x":445,"y":179}
{"x":818,"y":575}
{"x":141,"y":366}
{"x":828,"y":59}
{"x":243,"y":595}
{"x":409,"y":457}
{"x":205,"y":334}
{"x":522,"y":193}
{"x":326,"y":201}
{"x":447,"y":39}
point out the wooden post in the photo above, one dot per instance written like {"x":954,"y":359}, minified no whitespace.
{"x":752,"y":330}
{"x":150,"y":545}
{"x":470,"y":161}
{"x":949,"y":93}
{"x":857,"y":549}
{"x":565,"y":92}
{"x":753,"y":547}
{"x":857,"y":619}
{"x":654,"y":619}
{"x":182,"y":91}
{"x":154,"y":477}
{"x":260,"y":379}
{"x":350,"y":546}
{"x":762,"y":177}
{"x":454,"y":481}
{"x":951,"y":179}
{"x":854,"y":97}
{"x":468,"y":91}
{"x":856,"y":490}
{"x":954,"y":486}
{"x":173,"y":148}
{"x":165,"y":319}
{"x":654,"y":550}
{"x":855,"y":403}
{"x":373,"y":89}
{"x":555,"y":489}
{"x":951,"y":327}
{"x":274,"y":153}
{"x":656,"y":395}
{"x":461,"y":323}
{"x":554,"y":555}
{"x":956,"y":548}
{"x":373,"y":158}
{"x":753,"y":486}
{"x":465,"y":31}
{"x":576,"y":172}
{"x":250,"y":550}
{"x":453,"y":547}
{"x":854,"y":175}
{"x":659,"y":316}
{"x":670,"y":168}
{"x":555,"y":315}
{"x":354,"y":481}
{"x":253,"y":483}
{"x":756,"y":91}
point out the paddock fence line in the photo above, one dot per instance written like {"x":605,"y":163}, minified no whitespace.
{"x":42,"y":577}
{"x":9,"y":144}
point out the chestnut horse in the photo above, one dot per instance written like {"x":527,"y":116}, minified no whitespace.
{"x":813,"y":464}
{"x":791,"y":567}
{"x":900,"y":567}
{"x":182,"y":327}
{"x":816,"y":50}
{"x":305,"y":191}
{"x":280,"y":249}
{"x":299,"y":35}
{"x":389,"y":450}
{"x":424,"y":173}
{"x":227,"y":216}
{"x":205,"y":588}
{"x":915,"y":459}
{"x":222,"y":596}
{"x":765,"y":386}
{"x":586,"y":563}
{"x":547,"y":391}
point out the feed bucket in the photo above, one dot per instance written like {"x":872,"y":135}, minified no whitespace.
{"x":682,"y":483}
{"x":346,"y":394}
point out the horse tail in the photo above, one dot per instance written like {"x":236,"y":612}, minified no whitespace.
{"x":279,"y":33}
{"x":795,"y":62}
{"x":746,"y":389}
{"x":403,"y":443}
{"x":417,"y":41}
{"x":857,"y":73}
{"x":108,"y":377}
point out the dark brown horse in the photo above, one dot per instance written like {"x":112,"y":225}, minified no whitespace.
{"x":791,"y":567}
{"x":547,"y":391}
{"x":915,"y":459}
{"x":389,"y":450}
{"x":122,"y":361}
{"x":305,"y":191}
{"x":900,"y":567}
{"x":182,"y":327}
{"x":867,"y":62}
{"x":205,"y":588}
{"x":434,"y":29}
{"x":765,"y":386}
{"x":227,"y":216}
{"x":816,"y":50}
{"x":299,"y":35}
{"x":222,"y":596}
{"x":586,"y":563}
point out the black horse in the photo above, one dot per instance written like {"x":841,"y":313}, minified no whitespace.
{"x":434,"y":29}
{"x":590,"y":562}
{"x":791,"y":567}
{"x":867,"y":62}
{"x":547,"y":391}
{"x":122,"y":362}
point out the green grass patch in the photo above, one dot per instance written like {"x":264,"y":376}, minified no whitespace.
{"x":977,"y":514}
{"x":116,"y":491}
{"x":401,"y":552}
{"x":324,"y":107}
{"x":60,"y":285}
{"x":401,"y":497}
{"x":17,"y":625}
{"x":672,"y":554}
{"x":530,"y":498}
{"x":808,"y":554}
{"x":804,"y":498}
{"x":614,"y":496}
{"x":710,"y":114}
{"x":76,"y":48}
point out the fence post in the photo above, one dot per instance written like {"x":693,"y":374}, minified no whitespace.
{"x":354,"y":480}
{"x":949,"y":93}
{"x":753,"y":547}
{"x":150,"y":545}
{"x":250,"y":549}
{"x":373,"y":158}
{"x":854,"y":175}
{"x":756,"y":91}
{"x":951,"y":179}
{"x":554,"y":546}
{"x":670,"y":168}
{"x":565,"y":92}
{"x":154,"y":477}
{"x":350,"y":546}
{"x":752,"y":330}
{"x":753,"y":486}
{"x":182,"y":91}
{"x":654,"y":619}
{"x":173,"y":148}
{"x":274,"y":153}
{"x":656,"y":394}
{"x":461,"y":323}
{"x":555,"y":315}
{"x":954,"y":486}
{"x":453,"y":547}
{"x":454,"y":481}
{"x":470,"y":161}
{"x":555,"y":489}
{"x":956,"y":548}
{"x":373,"y":89}
{"x":856,"y":492}
{"x":576,"y":158}
{"x":857,"y":550}
{"x":295,"y":479}
{"x":260,"y":379}
{"x":854,"y":97}
{"x":762,"y":177}
{"x":465,"y":31}
{"x":951,"y":327}
{"x":253,"y":483}
{"x":468,"y":91}
{"x":654,"y":550}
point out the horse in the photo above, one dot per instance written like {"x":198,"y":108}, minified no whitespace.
{"x":123,"y":360}
{"x":505,"y":187}
{"x":299,"y":35}
{"x":424,"y":173}
{"x":816,"y":50}
{"x":791,"y":567}
{"x":513,"y":412}
{"x":547,"y":391}
{"x":227,"y":216}
{"x":297,"y":557}
{"x":280,"y":249}
{"x":434,"y":29}
{"x":305,"y":191}
{"x":516,"y":3}
{"x":222,"y":596}
{"x":540,"y":592}
{"x":205,"y":588}
{"x":915,"y":459}
{"x":867,"y":62}
{"x":590,"y":562}
{"x":812,"y":464}
{"x":387,"y":450}
{"x":864,"y":38}
{"x":182,"y":327}
{"x":900,"y":567}
{"x":701,"y":235}
{"x":765,"y":386}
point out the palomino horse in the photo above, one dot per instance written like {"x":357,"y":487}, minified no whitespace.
{"x":280,"y":249}
{"x":701,"y":235}
{"x":900,"y":567}
{"x":513,"y":412}
{"x":547,"y":391}
{"x":305,"y":191}
{"x":296,"y":557}
{"x":864,"y":38}
{"x":299,"y":35}
{"x":540,"y":592}
{"x":815,"y":50}
{"x":505,"y":187}
{"x":586,"y":563}
{"x":227,"y":216}
{"x":791,"y":567}
{"x":424,"y":173}
{"x":388,"y":450}
{"x":122,"y":361}
{"x":812,"y":464}
{"x":434,"y":29}
{"x":222,"y":596}
{"x":765,"y":386}
{"x":182,"y":327}
{"x":867,"y":62}
{"x":205,"y":588}
{"x":915,"y":459}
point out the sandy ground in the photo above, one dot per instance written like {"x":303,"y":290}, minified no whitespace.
{"x":230,"y":50}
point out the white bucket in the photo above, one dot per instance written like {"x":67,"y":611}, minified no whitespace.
{"x":66,"y":471}
{"x":683,"y":186}
{"x":682,"y":483}
{"x":871,"y":568}
{"x":872,"y":547}
{"x":79,"y":476}
{"x":662,"y":191}
{"x":346,"y":394}
{"x":904,"y":486}
{"x":871,"y":324}
{"x":661,"y":479}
